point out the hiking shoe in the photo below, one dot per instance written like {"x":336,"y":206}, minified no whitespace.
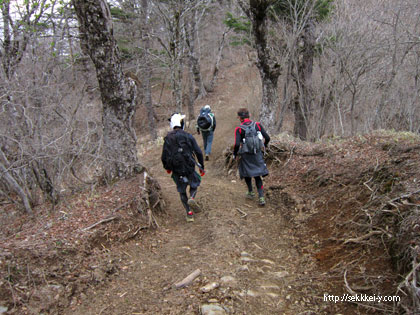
{"x":207,"y":157}
{"x":262,"y":201}
{"x":193,"y":205}
{"x":250,"y":194}
{"x":190,"y":216}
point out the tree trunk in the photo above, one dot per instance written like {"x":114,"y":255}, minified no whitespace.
{"x":13,"y":184}
{"x":304,"y":82}
{"x":216,"y":67}
{"x":15,"y":37}
{"x":190,"y":37}
{"x":191,"y":96}
{"x":118,"y":93}
{"x":269,"y":100}
{"x":147,"y":71}
{"x":269,"y":69}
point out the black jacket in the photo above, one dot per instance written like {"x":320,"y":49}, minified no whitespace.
{"x":195,"y":149}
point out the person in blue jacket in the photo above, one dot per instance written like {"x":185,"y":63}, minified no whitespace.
{"x":207,"y":132}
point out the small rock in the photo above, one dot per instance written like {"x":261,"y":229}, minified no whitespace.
{"x":270,"y":286}
{"x":280,"y":274}
{"x":252,"y":293}
{"x":209,"y":287}
{"x":227,"y":279}
{"x":212,"y":309}
{"x":3,"y":309}
{"x":273,"y":295}
{"x":267,"y":261}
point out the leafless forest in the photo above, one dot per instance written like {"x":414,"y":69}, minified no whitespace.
{"x":338,"y":67}
{"x":74,"y":73}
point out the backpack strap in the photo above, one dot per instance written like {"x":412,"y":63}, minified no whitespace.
{"x":191,"y":154}
{"x":253,"y":124}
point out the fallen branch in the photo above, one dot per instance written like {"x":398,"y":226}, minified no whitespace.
{"x":121,"y":206}
{"x":186,"y":281}
{"x":290,"y":157}
{"x":244,"y":214}
{"x":368,"y":186}
{"x":404,"y":196}
{"x":99,"y":222}
{"x":363,"y":237}
{"x":350,"y":290}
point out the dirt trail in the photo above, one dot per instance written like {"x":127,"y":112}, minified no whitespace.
{"x":252,"y":257}
{"x":255,"y":253}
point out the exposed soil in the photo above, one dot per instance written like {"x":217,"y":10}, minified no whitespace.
{"x":277,"y":259}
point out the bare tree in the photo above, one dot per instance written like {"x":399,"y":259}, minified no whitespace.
{"x":17,"y":31}
{"x":370,"y":67}
{"x":147,"y":66}
{"x":300,"y":18}
{"x":269,"y":68}
{"x":118,"y":93}
{"x":172,"y":15}
{"x":191,"y":36}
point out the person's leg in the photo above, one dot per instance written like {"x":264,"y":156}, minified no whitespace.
{"x":209,"y":143}
{"x":204,"y":135}
{"x":191,"y":201}
{"x":250,"y":194}
{"x":184,"y":200}
{"x":260,"y":187}
{"x":193,"y":192}
{"x":248,"y":183}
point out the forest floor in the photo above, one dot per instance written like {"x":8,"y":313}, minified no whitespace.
{"x":311,"y":243}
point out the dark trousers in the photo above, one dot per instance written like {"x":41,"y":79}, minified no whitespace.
{"x":184,"y":197}
{"x":258,"y":183}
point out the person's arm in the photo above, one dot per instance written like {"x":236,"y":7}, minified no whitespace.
{"x":214,"y":122}
{"x":237,"y":141}
{"x":197,"y":151}
{"x":264,"y":134}
{"x":196,"y":126}
{"x":164,"y":156}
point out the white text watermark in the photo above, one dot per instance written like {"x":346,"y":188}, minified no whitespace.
{"x":361,"y":298}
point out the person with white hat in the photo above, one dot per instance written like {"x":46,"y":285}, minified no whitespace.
{"x":180,"y":155}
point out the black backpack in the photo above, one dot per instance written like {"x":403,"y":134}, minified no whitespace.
{"x":178,"y":156}
{"x":205,"y":119}
{"x":251,"y":142}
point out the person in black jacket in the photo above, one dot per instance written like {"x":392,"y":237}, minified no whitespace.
{"x":179,"y":154}
{"x":251,"y":164}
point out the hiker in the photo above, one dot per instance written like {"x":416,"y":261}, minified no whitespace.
{"x":179,"y":154}
{"x":206,"y":124}
{"x":249,"y":145}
